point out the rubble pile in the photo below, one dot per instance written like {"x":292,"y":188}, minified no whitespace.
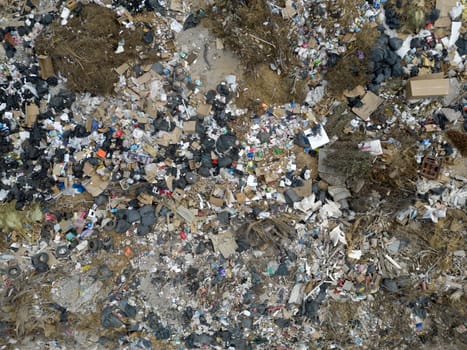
{"x":146,"y":204}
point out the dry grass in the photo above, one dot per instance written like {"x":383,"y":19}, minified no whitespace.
{"x":254,"y":33}
{"x":345,"y":158}
{"x":84,"y":50}
{"x":459,"y":139}
{"x":351,"y":71}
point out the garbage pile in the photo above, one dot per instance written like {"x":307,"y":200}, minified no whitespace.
{"x":144,"y":206}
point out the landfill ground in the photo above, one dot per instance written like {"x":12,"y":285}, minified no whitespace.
{"x":215,"y":174}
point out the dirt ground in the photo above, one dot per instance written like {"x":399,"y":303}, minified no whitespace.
{"x":213,"y":63}
{"x":83,"y":51}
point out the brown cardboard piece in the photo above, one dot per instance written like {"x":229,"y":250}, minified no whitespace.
{"x":170,"y":138}
{"x":79,"y":156}
{"x":169,"y":181}
{"x":186,"y":214}
{"x":88,"y":124}
{"x":191,"y":58}
{"x":279,"y":112}
{"x":88,"y":169}
{"x":57,"y":169}
{"x":444,"y":6}
{"x":32,"y":111}
{"x":218,"y":202}
{"x":271,"y":176}
{"x":149,"y":149}
{"x":371,"y":103}
{"x":176,"y":5}
{"x":357,"y":91}
{"x":306,"y":189}
{"x":219,"y":44}
{"x":288,"y":11}
{"x":443,"y":22}
{"x":429,"y":85}
{"x":96,"y":186}
{"x":146,"y":77}
{"x":241,"y":198}
{"x":46,"y":66}
{"x":224,"y":243}
{"x":65,"y":225}
{"x":145,"y":198}
{"x":122,"y":69}
{"x":189,"y":127}
{"x":431,"y":128}
{"x":204,"y":109}
{"x":349,"y":37}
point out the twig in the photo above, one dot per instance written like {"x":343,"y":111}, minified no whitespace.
{"x":264,"y":41}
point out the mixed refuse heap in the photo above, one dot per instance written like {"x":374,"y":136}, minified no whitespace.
{"x":233,"y":174}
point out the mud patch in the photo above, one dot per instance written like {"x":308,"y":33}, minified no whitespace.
{"x":83,"y":51}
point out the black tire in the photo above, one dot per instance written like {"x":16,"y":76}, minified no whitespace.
{"x":40,"y":258}
{"x":93,"y":244}
{"x":107,"y":243}
{"x":14,"y":271}
{"x":62,"y":251}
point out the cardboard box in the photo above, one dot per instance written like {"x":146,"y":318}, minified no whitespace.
{"x":122,"y":69}
{"x":203,"y":109}
{"x":430,"y":85}
{"x":32,"y":111}
{"x":46,"y":66}
{"x":241,"y":198}
{"x":189,"y":127}
{"x":143,"y":79}
{"x":224,"y":243}
{"x":371,"y":103}
{"x":218,"y":202}
{"x":167,"y":139}
{"x":288,"y":11}
{"x":97,"y":185}
{"x":356,"y":92}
